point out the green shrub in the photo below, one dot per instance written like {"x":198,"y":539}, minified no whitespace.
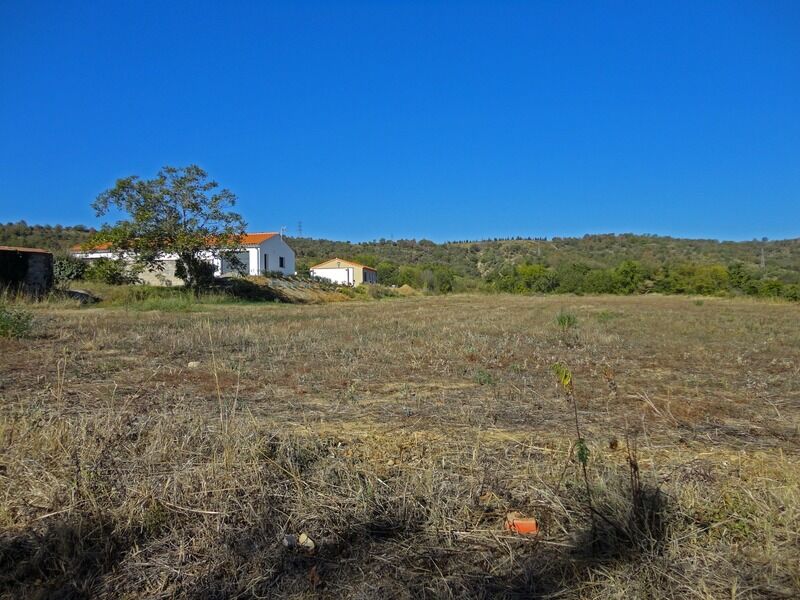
{"x":110,"y":271}
{"x":629,"y":276}
{"x":67,"y":268}
{"x":770,"y":288}
{"x":571,"y":278}
{"x":599,"y":281}
{"x":791,"y":292}
{"x":526,"y":278}
{"x":566,"y":320}
{"x":380,"y":291}
{"x":14,"y":323}
{"x":348,"y":291}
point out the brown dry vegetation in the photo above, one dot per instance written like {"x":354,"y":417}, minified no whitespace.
{"x":397,"y":434}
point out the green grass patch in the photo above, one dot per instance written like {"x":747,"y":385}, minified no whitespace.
{"x":14,"y":322}
{"x":155,"y":298}
{"x":566,"y":320}
{"x":604,"y":316}
{"x":483,"y":377}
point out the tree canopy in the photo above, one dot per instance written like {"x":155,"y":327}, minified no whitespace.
{"x":180,"y":211}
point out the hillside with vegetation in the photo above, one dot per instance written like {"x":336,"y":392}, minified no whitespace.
{"x":607,"y":263}
{"x":592,"y":264}
{"x":48,"y":237}
{"x":486,"y":257}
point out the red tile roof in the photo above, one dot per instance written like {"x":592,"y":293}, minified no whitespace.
{"x":103,"y":246}
{"x":254,"y":239}
{"x":248,"y":239}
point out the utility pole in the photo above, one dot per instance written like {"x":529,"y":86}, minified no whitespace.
{"x":299,"y":229}
{"x":283,"y":230}
{"x":763,"y":258}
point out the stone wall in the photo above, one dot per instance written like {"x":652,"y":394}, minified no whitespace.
{"x":165,"y":277}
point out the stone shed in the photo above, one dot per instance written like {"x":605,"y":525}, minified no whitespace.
{"x":28,"y":268}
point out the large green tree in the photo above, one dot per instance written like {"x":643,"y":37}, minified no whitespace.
{"x":180,"y":211}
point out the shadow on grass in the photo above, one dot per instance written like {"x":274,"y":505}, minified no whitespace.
{"x":631,"y":533}
{"x":64,"y":560}
{"x":391,"y":552}
{"x":385,"y":543}
{"x":244,"y":289}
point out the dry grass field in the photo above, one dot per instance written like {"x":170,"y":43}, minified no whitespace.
{"x":397,"y":435}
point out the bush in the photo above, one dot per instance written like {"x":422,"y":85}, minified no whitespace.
{"x":599,"y":281}
{"x":770,"y":288}
{"x":571,"y":278}
{"x":14,"y":323}
{"x":791,"y":292}
{"x":110,"y":271}
{"x":629,"y":276}
{"x":527,"y":278}
{"x":67,"y":268}
{"x":387,"y":273}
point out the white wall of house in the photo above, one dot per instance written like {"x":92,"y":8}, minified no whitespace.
{"x":254,"y":260}
{"x":342,"y":275}
{"x":94,"y":255}
{"x":280,"y":257}
{"x":273,"y":254}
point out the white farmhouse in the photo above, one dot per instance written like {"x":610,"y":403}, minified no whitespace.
{"x":344,"y":272}
{"x":259,"y":253}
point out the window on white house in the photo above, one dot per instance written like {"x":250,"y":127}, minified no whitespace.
{"x":266,"y":263}
{"x":281,"y":262}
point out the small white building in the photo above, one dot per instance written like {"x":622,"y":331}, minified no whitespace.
{"x":344,"y":272}
{"x":259,"y":253}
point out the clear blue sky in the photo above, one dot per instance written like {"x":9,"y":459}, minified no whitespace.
{"x":443,"y":120}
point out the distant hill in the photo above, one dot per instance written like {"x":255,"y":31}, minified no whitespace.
{"x":48,"y":237}
{"x":485,"y":258}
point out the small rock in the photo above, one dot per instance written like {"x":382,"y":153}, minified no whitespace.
{"x":193,"y":364}
{"x":306,"y":543}
{"x":300,"y":542}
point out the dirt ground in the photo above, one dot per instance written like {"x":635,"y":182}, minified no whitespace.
{"x":170,"y":454}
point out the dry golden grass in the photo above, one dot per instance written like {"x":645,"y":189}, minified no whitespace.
{"x":397,"y":435}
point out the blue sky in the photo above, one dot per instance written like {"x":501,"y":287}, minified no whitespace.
{"x":440,"y":120}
